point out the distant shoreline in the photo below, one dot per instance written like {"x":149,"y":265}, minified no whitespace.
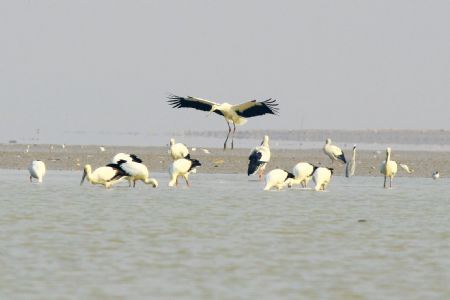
{"x":366,"y":139}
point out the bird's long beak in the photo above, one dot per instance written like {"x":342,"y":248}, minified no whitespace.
{"x":83,"y":177}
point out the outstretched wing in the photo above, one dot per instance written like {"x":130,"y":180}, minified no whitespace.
{"x":255,"y":108}
{"x":192,"y":102}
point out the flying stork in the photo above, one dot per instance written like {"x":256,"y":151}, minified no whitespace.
{"x":235,"y":114}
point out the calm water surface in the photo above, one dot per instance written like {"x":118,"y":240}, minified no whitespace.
{"x":224,"y":238}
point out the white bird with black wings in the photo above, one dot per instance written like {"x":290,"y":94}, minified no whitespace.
{"x":235,"y":114}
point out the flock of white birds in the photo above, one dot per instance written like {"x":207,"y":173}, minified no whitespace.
{"x":130,"y":167}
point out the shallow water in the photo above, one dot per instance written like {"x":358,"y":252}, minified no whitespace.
{"x":224,"y":238}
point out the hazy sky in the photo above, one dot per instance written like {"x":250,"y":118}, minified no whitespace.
{"x":109,"y":65}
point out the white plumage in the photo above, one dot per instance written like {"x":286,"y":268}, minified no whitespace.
{"x":37,"y":170}
{"x":177,"y":150}
{"x":406,"y":168}
{"x":278,"y":178}
{"x":235,"y":114}
{"x":322,"y":177}
{"x":303,"y":172}
{"x":259,"y":157}
{"x":351,"y":165}
{"x":388,"y":168}
{"x":137,"y":171}
{"x":125,"y":157}
{"x":182,"y":167}
{"x":106,"y":175}
{"x":435,"y":175}
{"x":333,"y":152}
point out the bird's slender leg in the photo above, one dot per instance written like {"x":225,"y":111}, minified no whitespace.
{"x":226,"y":140}
{"x":232,"y":137}
{"x":176,"y":181}
{"x":261,"y":173}
{"x":134,"y":182}
{"x":187,"y":182}
{"x":390,"y":182}
{"x":384,"y":182}
{"x":30,"y":179}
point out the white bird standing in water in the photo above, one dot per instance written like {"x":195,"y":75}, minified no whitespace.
{"x":435,"y":175}
{"x":126,"y":157}
{"x":37,"y":170}
{"x":322,"y":177}
{"x":303,"y":172}
{"x":388,"y":168}
{"x":137,"y":171}
{"x":106,"y":175}
{"x":259,"y":157}
{"x":333,"y":152}
{"x":178,"y":150}
{"x":182,"y":167}
{"x":235,"y":114}
{"x":351,"y":165}
{"x":406,"y":168}
{"x":278,"y":178}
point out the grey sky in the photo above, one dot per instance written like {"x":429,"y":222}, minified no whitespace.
{"x":99,"y":65}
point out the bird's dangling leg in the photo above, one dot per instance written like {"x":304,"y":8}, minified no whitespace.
{"x":226,"y":140}
{"x":232,"y":137}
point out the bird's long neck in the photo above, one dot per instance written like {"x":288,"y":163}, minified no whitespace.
{"x":388,"y":156}
{"x":354,"y":153}
{"x":151,"y":181}
{"x":88,"y":174}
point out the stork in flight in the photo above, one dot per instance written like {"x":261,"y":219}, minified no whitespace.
{"x":235,"y":114}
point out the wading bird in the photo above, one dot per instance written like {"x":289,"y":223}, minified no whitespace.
{"x":435,"y":175}
{"x":406,"y":168}
{"x":333,"y":152}
{"x":235,"y":114}
{"x":303,"y":172}
{"x":182,"y":167}
{"x":178,"y":150}
{"x":351,"y":165}
{"x":278,"y":178}
{"x":37,"y":170}
{"x":126,"y":157}
{"x":322,"y":177}
{"x":388,"y":168}
{"x":136,"y":171}
{"x":106,"y":175}
{"x":258,"y":159}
